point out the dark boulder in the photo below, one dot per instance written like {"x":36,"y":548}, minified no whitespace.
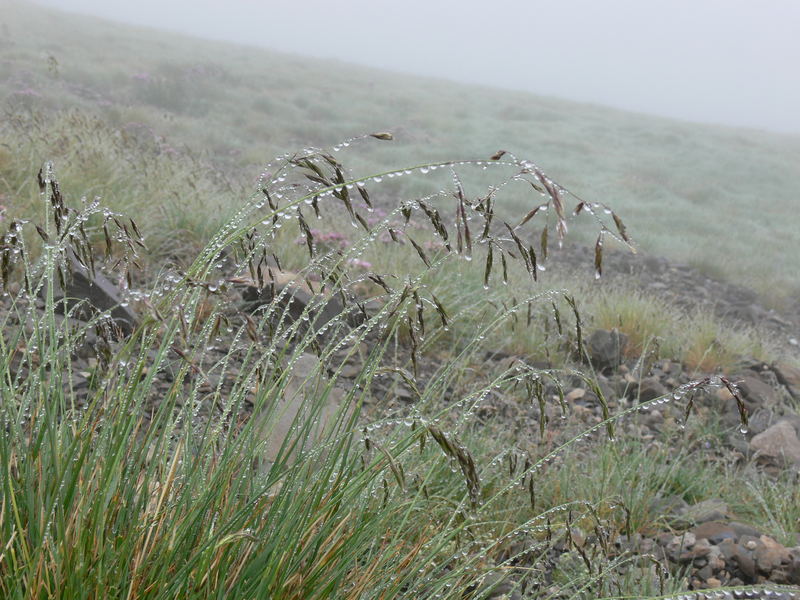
{"x":88,"y":292}
{"x":606,"y":348}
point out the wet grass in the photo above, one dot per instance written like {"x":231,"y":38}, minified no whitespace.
{"x":153,"y":486}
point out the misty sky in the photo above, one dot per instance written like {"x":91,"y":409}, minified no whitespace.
{"x":722,"y":61}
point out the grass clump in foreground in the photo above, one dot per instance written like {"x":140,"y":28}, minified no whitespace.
{"x":161,"y":469}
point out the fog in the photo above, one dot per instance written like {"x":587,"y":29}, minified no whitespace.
{"x":730,"y":62}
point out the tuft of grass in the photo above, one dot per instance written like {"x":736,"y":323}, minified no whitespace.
{"x":702,"y":342}
{"x":710,"y":346}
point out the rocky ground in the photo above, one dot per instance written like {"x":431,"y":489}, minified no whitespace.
{"x":705,"y":540}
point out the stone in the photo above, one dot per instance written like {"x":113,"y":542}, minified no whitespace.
{"x":497,"y":584}
{"x":788,"y":375}
{"x":648,"y":389}
{"x":727,"y":548}
{"x":712,"y":509}
{"x":748,"y":542}
{"x":715,"y":531}
{"x":294,"y":295}
{"x":624,"y":384}
{"x":86,"y":291}
{"x":351,"y":370}
{"x":791,"y":417}
{"x":715,"y":559}
{"x":723,"y":395}
{"x":590,"y":398}
{"x":769,"y":554}
{"x":779,"y":442}
{"x":606,"y":348}
{"x":654,"y":419}
{"x":747,"y":566}
{"x":793,"y":568}
{"x":678,"y":546}
{"x":760,"y":421}
{"x":305,"y":390}
{"x":755,"y":392}
{"x":704,"y":573}
{"x":575,"y":394}
{"x":668,"y":505}
{"x":741,"y":529}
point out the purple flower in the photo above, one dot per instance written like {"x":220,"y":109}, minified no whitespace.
{"x":359,"y":264}
{"x":330,"y":238}
{"x":433,"y":245}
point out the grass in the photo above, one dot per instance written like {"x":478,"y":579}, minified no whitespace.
{"x":700,"y":341}
{"x":160,"y":466}
{"x":686,"y":190}
{"x":154,"y":487}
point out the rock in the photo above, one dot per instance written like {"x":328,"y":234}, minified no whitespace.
{"x":737,"y":442}
{"x":497,"y":585}
{"x":780,"y":443}
{"x":712,"y":509}
{"x":704,"y":573}
{"x":723,"y":395}
{"x":95,"y":291}
{"x":727,"y":548}
{"x":755,"y":392}
{"x":741,"y":529}
{"x":747,"y":565}
{"x":769,"y":554}
{"x":668,"y":505}
{"x":305,"y":390}
{"x":748,"y":542}
{"x":678,"y":546}
{"x":351,"y":370}
{"x":606,"y":348}
{"x":294,"y":295}
{"x":715,"y":531}
{"x":575,"y":394}
{"x":788,"y":375}
{"x":791,"y":417}
{"x":649,"y":388}
{"x":718,"y":531}
{"x":624,"y":384}
{"x":793,"y":568}
{"x":654,"y":419}
{"x":715,"y":559}
{"x":760,"y":421}
{"x":590,"y":398}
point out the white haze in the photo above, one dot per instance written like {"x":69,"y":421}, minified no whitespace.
{"x":731,"y":62}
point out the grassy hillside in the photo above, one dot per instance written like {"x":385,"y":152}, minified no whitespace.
{"x":403,"y":409}
{"x":723,"y":199}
